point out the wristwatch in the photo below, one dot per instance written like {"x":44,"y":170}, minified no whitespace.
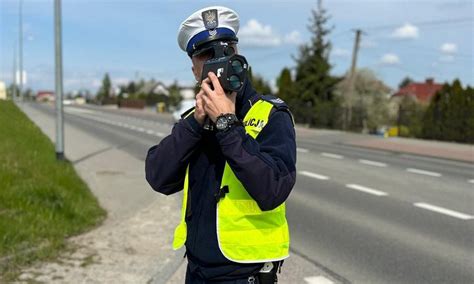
{"x":225,"y":121}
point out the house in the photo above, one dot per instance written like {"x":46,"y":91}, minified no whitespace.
{"x":153,"y":87}
{"x":421,"y":92}
{"x":3,"y":91}
{"x":45,"y":96}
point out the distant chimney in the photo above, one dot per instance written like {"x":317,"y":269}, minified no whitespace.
{"x":429,"y":81}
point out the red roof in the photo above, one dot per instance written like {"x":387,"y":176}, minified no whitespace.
{"x":422,"y":91}
{"x":41,"y":94}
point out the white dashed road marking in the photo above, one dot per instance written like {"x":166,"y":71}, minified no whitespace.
{"x":372,"y":163}
{"x":302,"y":150}
{"x":159,"y":134}
{"x":317,"y":280}
{"x":313,"y":175}
{"x":471,"y":181}
{"x":445,"y":211}
{"x":330,"y":155}
{"x":366,"y":189}
{"x":422,"y":172}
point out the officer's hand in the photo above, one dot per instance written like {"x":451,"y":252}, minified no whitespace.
{"x":216,"y":102}
{"x":199,"y":113}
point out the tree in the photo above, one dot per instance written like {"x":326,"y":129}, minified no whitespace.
{"x":370,"y":101}
{"x":314,"y":100}
{"x":285,"y":85}
{"x":409,"y":117}
{"x":174,"y":94}
{"x":450,"y":115}
{"x":405,"y":82}
{"x":13,"y":89}
{"x":105,"y":89}
{"x":259,"y":84}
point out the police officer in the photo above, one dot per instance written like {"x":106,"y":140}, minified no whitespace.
{"x":235,"y":177}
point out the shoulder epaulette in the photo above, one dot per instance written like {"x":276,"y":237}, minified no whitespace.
{"x":278,"y":103}
{"x":187,"y":113}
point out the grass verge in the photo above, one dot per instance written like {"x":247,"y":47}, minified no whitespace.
{"x":42,"y":201}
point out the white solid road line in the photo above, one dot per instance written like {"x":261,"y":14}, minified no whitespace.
{"x":330,"y":155}
{"x":366,"y":189}
{"x":313,"y":175}
{"x":445,"y":211}
{"x":372,"y":163}
{"x":317,"y":280}
{"x":422,"y":172}
{"x":69,"y":109}
{"x":302,"y":150}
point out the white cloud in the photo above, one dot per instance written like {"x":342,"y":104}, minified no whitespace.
{"x":448,"y":48}
{"x":95,"y":83}
{"x":446,"y":58}
{"x":256,"y":34}
{"x":71,"y":82}
{"x":367,"y":43}
{"x":389,"y":59}
{"x":407,"y":31}
{"x":120,"y":81}
{"x":341,"y":52}
{"x":293,"y":38}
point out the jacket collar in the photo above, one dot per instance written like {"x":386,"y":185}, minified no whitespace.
{"x":245,"y":99}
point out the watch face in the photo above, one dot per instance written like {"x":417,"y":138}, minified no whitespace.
{"x":221,"y":123}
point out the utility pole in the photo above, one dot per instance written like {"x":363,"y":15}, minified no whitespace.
{"x":350,"y":92}
{"x":59,"y":81}
{"x":14,"y":74}
{"x":20,"y":51}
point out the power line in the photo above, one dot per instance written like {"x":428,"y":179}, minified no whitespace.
{"x":425,"y":23}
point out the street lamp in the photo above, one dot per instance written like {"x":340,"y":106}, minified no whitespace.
{"x":59,"y":81}
{"x":20,"y":50}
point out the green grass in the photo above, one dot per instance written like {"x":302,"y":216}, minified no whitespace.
{"x":42,"y":201}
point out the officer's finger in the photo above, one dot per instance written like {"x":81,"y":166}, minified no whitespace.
{"x":215,"y":82}
{"x":206,"y":87}
{"x":199,"y":93}
{"x":233,"y":96}
{"x":198,"y":103}
{"x":206,"y":81}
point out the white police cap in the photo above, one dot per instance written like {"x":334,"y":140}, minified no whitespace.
{"x":208,"y":24}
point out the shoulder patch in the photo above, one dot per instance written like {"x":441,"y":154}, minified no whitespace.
{"x":187,"y":113}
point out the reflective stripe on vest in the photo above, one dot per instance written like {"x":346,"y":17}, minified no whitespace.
{"x":245,"y":233}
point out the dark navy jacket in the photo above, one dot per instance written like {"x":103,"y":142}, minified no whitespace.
{"x":265,"y":166}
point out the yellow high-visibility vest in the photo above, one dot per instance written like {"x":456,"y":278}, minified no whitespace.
{"x":245,"y":233}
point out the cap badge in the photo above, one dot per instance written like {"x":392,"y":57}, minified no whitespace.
{"x":210,"y":19}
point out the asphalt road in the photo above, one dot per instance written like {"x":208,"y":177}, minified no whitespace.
{"x":364,"y":216}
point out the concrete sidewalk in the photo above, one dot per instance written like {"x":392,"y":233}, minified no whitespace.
{"x":428,"y":148}
{"x":133,"y":245}
{"x":435,"y":149}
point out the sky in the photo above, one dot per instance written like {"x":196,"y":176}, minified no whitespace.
{"x":134,"y":39}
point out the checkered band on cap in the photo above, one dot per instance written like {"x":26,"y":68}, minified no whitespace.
{"x":205,"y":25}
